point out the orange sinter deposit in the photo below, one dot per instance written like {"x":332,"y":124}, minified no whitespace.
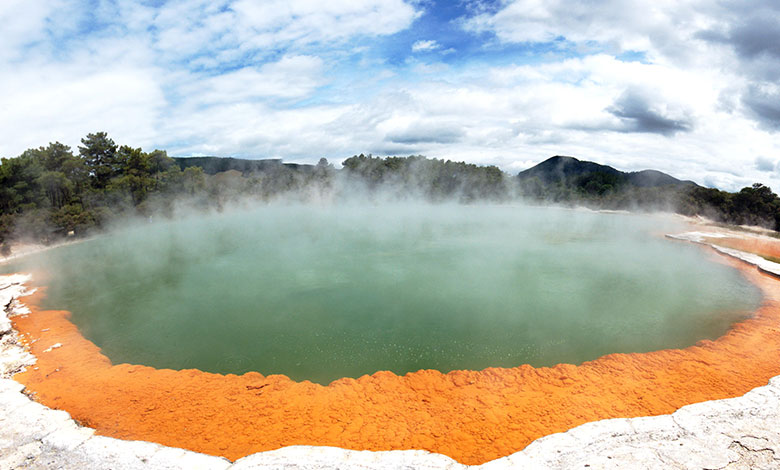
{"x":471,"y":416}
{"x":761,"y":246}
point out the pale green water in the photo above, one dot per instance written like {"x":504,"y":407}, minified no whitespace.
{"x":320,"y":293}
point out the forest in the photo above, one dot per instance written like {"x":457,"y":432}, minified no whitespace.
{"x":51,"y":193}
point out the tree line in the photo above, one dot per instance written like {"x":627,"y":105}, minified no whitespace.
{"x":428,"y":178}
{"x":49,"y":193}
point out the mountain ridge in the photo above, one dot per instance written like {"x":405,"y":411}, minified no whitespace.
{"x":567,"y":170}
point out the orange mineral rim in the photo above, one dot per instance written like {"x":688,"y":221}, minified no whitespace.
{"x":471,"y":416}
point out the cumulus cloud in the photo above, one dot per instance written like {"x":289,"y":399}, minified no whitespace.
{"x":765,"y":164}
{"x":754,"y":29}
{"x":753,"y":37}
{"x":619,"y":25}
{"x":763,"y":102}
{"x":758,"y":36}
{"x":750,"y":36}
{"x":640,"y":112}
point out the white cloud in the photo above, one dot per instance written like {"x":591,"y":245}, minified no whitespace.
{"x":191,"y":27}
{"x":290,"y":77}
{"x":306,"y":20}
{"x":765,"y":164}
{"x":138,"y":69}
{"x":259,"y":131}
{"x":37,"y":109}
{"x":640,"y":25}
{"x":26,"y":22}
{"x":425,"y":46}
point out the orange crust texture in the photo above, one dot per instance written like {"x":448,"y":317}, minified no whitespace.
{"x":471,"y":416}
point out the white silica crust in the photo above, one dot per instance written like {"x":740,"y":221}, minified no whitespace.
{"x":763,"y":264}
{"x":736,"y":433}
{"x":13,"y":357}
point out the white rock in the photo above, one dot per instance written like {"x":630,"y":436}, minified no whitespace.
{"x":20,"y":456}
{"x":313,"y":457}
{"x":53,"y":346}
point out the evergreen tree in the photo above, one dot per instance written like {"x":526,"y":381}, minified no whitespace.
{"x":99,"y":154}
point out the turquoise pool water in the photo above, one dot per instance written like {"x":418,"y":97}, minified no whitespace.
{"x":323,"y":292}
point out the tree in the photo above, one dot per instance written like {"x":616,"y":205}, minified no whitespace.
{"x":51,"y":158}
{"x":131,"y":160}
{"x":192,"y":180}
{"x":160,"y":162}
{"x":756,"y":205}
{"x":6,"y":229}
{"x":134,"y":167}
{"x":56,"y":186}
{"x":72,"y":218}
{"x":99,"y":154}
{"x":323,"y":171}
{"x":19,"y":183}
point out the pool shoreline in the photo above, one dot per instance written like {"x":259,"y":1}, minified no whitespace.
{"x":318,"y":453}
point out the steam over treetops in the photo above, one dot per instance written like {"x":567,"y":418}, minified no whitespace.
{"x":52,"y":192}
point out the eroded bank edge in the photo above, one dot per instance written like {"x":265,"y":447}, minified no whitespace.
{"x":713,"y":434}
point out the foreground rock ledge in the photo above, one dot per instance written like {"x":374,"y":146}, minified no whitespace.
{"x":723,"y":434}
{"x":734,"y":433}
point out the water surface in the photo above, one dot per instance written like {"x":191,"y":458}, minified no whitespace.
{"x":320,"y":293}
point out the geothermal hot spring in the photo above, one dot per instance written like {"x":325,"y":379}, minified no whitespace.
{"x":323,"y":292}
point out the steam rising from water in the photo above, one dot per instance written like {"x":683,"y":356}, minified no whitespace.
{"x":322,"y":292}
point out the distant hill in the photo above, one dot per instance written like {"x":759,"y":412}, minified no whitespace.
{"x":569,"y":171}
{"x":214,"y":165}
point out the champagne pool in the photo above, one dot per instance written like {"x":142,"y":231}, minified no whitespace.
{"x":323,"y":292}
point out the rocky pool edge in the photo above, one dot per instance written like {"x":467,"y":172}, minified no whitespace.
{"x":736,"y":433}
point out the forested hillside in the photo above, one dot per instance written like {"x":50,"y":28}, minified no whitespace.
{"x":566,"y":180}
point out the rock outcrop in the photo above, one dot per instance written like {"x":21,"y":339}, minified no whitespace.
{"x":13,"y":356}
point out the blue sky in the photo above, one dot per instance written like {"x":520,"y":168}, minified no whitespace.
{"x":687,"y":87}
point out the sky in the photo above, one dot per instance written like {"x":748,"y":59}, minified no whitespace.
{"x":688,"y":87}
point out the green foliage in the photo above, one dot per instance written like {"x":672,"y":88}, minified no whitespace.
{"x":73,"y":218}
{"x":56,"y":186}
{"x":48,"y":192}
{"x":754,"y":205}
{"x":7,"y":222}
{"x":99,"y":154}
{"x":192,"y":180}
{"x":431,"y":178}
{"x":18,"y":179}
{"x":598,"y":183}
